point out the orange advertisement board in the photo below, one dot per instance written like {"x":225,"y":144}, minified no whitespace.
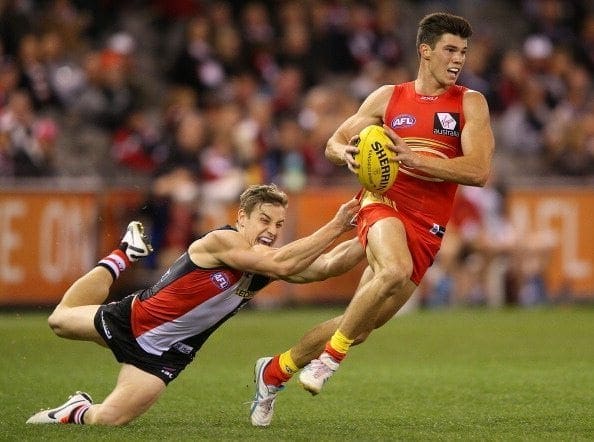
{"x":47,"y":240}
{"x":562,"y":218}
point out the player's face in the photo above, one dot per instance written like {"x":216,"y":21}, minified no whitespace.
{"x":263,"y":225}
{"x":447,"y":59}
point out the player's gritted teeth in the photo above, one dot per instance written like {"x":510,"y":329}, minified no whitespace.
{"x":265,"y":240}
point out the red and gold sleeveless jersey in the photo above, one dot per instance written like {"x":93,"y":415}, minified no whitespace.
{"x":430,"y":125}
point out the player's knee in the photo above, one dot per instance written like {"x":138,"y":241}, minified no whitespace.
{"x":55,"y":322}
{"x":58,"y":322}
{"x":395,"y":278}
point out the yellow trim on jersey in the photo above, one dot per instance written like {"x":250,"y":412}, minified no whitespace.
{"x":374,"y":198}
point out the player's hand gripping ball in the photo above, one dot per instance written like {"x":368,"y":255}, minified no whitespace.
{"x":376,"y":172}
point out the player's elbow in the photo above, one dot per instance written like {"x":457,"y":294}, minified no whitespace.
{"x":480,"y":181}
{"x":332,"y":153}
{"x":286,"y":269}
{"x":480,"y":178}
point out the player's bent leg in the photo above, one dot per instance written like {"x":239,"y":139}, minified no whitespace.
{"x":390,"y":307}
{"x":313,"y":377}
{"x":135,"y":392}
{"x":73,"y":316}
{"x":90,"y":289}
{"x":75,"y":323}
{"x":394,"y":303}
{"x":391,"y":262}
{"x":93,"y":287}
{"x":311,"y":345}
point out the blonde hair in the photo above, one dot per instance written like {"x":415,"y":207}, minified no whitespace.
{"x":258,"y":194}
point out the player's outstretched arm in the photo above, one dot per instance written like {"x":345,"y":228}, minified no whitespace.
{"x":229,"y":248}
{"x":342,"y":258}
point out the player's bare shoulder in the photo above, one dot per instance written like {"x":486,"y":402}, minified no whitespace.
{"x":474,"y":101}
{"x":476,"y":109}
{"x":376,"y":102}
{"x":385,"y":90}
{"x":381,"y":95}
{"x":206,"y":251}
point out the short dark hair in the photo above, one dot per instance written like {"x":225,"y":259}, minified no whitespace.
{"x":258,"y":194}
{"x":433,"y":26}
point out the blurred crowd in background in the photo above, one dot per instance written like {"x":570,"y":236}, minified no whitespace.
{"x":193,"y":100}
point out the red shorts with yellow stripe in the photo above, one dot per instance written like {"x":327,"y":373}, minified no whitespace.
{"x":423,"y":237}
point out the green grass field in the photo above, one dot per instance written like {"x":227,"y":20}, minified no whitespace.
{"x":440,"y":375}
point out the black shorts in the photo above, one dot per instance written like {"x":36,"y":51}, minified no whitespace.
{"x":112,"y":322}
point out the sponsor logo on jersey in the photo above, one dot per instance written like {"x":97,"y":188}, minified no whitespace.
{"x":220,"y":280}
{"x":429,"y":97}
{"x":446,"y":123}
{"x":182,"y":348}
{"x":437,"y":230}
{"x":246,"y":294}
{"x":249,"y":285}
{"x":402,"y":121}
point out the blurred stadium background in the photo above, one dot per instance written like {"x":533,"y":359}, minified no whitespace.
{"x":165,"y":110}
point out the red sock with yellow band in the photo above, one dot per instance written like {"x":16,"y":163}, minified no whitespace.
{"x":280,"y":369}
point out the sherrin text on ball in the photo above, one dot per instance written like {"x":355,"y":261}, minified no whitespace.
{"x":378,"y":169}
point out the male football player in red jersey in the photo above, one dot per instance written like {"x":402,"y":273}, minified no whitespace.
{"x":442,"y":138}
{"x":156,"y":332}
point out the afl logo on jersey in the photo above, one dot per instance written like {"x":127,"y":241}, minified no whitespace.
{"x":220,"y":280}
{"x":402,"y":121}
{"x":446,"y":123}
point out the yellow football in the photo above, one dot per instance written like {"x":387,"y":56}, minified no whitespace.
{"x":376,"y":172}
